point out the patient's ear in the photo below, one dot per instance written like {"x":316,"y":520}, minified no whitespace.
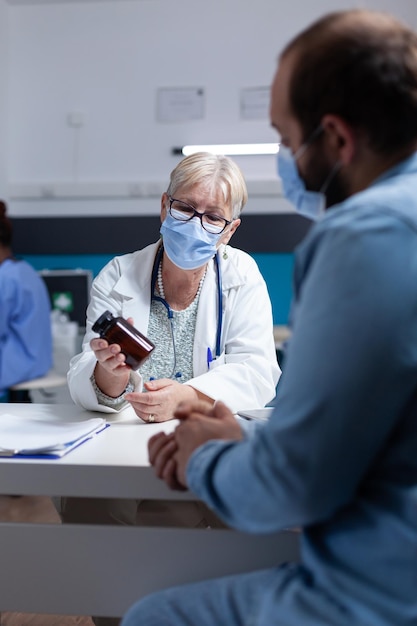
{"x":339,"y":138}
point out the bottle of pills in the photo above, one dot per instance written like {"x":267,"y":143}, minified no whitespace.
{"x":135,"y":346}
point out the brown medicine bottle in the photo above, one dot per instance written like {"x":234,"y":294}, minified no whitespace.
{"x":135,"y":346}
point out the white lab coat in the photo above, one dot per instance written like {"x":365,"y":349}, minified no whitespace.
{"x":246,"y":372}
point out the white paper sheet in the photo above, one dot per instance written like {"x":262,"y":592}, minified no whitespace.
{"x":260,"y":415}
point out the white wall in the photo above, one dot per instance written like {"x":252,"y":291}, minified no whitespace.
{"x":4,"y":9}
{"x":106,"y":60}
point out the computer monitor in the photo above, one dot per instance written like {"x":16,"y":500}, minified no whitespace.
{"x":69,"y":291}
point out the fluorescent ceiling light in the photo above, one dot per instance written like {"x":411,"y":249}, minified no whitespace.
{"x":231,"y":149}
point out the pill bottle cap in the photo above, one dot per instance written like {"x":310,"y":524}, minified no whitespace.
{"x":101,"y":325}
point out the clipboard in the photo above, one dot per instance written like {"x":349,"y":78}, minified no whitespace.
{"x":46,"y":439}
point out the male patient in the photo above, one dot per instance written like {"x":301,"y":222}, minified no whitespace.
{"x":339,"y":455}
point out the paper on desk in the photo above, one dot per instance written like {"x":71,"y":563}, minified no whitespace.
{"x":259,"y":415}
{"x":29,"y":436}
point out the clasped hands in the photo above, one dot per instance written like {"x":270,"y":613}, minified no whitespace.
{"x":200,"y":422}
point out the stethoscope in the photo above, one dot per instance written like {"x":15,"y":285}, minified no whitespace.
{"x":170,"y":313}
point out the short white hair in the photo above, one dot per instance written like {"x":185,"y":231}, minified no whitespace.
{"x":213,"y":170}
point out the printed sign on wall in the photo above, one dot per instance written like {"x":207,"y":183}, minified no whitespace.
{"x":182,"y":104}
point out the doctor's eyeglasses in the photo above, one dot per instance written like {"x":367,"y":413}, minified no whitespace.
{"x":184,"y":212}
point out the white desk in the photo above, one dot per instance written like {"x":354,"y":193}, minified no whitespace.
{"x":102,"y":570}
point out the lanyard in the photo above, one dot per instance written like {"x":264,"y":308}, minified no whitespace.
{"x":157,"y":261}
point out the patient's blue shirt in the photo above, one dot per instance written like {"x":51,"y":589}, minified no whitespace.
{"x":338,"y":458}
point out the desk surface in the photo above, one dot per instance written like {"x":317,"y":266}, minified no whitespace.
{"x":74,"y":576}
{"x":112,"y":464}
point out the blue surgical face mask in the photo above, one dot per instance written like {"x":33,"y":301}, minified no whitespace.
{"x":311,"y":204}
{"x":187,"y":244}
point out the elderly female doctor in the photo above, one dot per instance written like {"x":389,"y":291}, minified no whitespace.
{"x":203,"y":304}
{"x":206,"y":308}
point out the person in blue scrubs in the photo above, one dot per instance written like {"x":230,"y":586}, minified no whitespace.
{"x":338,"y":457}
{"x":25,"y":325}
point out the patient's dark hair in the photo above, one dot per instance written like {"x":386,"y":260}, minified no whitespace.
{"x":5,"y":226}
{"x":362,"y":66}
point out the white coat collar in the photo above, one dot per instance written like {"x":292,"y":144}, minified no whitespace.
{"x":230,"y":272}
{"x":137,"y":270}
